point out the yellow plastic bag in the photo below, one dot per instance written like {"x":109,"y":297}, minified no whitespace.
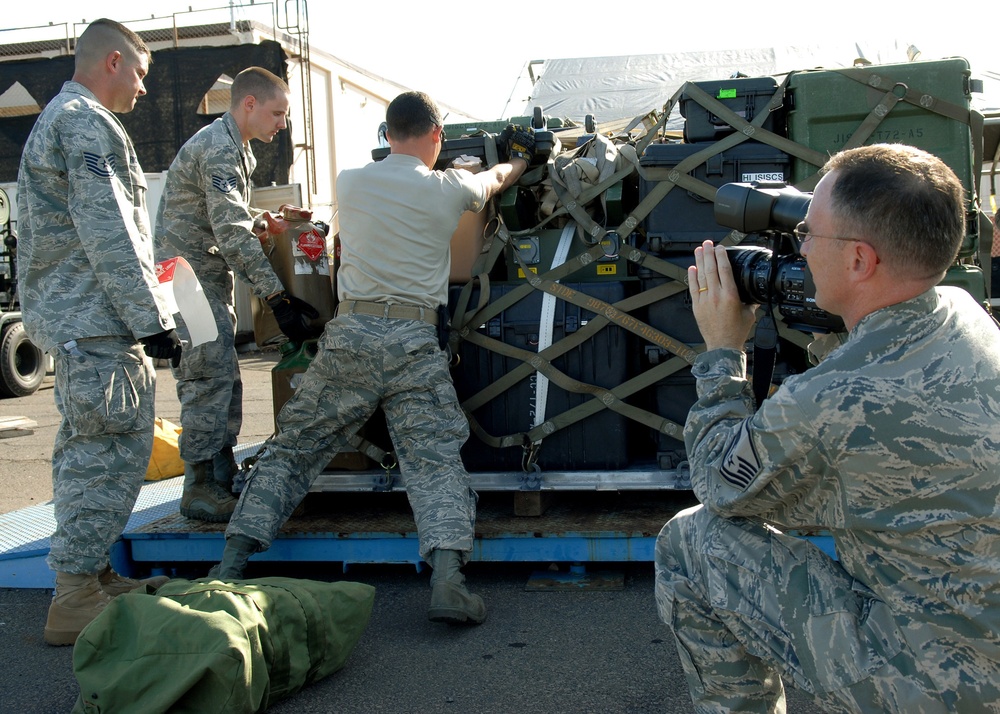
{"x":166,"y":459}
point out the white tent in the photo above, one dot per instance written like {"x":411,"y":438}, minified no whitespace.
{"x":623,"y":87}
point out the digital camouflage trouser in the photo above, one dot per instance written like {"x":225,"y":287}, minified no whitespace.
{"x":363,"y":362}
{"x":748,"y":606}
{"x":209,"y":387}
{"x":104,"y":390}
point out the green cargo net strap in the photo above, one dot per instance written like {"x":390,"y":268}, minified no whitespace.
{"x":569,"y":342}
{"x":385,"y":459}
{"x":552,"y":168}
{"x":540,"y":362}
{"x":679,"y":176}
{"x":660,"y":125}
{"x":462,"y":318}
{"x":574,"y":206}
{"x":465,"y":321}
{"x":871,"y":78}
{"x":493,"y":247}
{"x":865,"y":129}
{"x":573,"y":201}
{"x":631,"y":153}
{"x":548,"y":282}
{"x":496,"y":237}
{"x":602,"y":397}
{"x":485,"y":310}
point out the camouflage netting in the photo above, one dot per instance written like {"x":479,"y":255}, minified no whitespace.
{"x":167,"y":116}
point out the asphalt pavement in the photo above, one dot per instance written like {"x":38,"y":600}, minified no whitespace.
{"x":570,"y":648}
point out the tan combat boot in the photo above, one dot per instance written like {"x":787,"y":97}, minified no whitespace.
{"x":77,"y":601}
{"x":114,"y":584}
{"x":203,"y":498}
{"x":451,"y":602}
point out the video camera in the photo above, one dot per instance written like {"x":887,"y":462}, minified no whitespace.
{"x":777,"y":275}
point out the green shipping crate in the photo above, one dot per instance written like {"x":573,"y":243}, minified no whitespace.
{"x":828,"y":106}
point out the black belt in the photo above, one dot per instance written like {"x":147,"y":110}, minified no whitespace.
{"x":384,"y":309}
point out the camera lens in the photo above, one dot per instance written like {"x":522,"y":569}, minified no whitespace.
{"x":752,"y":208}
{"x":785,"y":281}
{"x":750,"y":269}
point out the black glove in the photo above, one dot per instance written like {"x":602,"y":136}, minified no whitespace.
{"x":520,"y":142}
{"x":293,"y":315}
{"x":163,"y":345}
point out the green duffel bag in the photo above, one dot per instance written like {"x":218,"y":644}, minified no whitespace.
{"x":211,"y":646}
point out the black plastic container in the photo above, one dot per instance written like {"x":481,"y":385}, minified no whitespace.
{"x":599,"y":441}
{"x":745,"y":96}
{"x":682,"y":219}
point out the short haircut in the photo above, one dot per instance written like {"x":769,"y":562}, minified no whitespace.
{"x":907,"y":203}
{"x":259,"y":83}
{"x":410,"y":115}
{"x":103,"y":36}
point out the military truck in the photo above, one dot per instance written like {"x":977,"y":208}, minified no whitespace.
{"x":22,"y":364}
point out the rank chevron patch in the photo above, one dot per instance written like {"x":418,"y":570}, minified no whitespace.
{"x":224,"y":184}
{"x":103,"y":166}
{"x":741,"y":464}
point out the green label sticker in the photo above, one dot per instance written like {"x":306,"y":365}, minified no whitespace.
{"x":727,"y":94}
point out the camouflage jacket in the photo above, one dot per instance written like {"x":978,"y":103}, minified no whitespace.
{"x":205,"y":214}
{"x":85,"y":251}
{"x":891,"y":443}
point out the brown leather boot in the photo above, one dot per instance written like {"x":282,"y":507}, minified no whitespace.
{"x":451,"y":602}
{"x":77,"y":601}
{"x":203,"y":499}
{"x":114,"y":584}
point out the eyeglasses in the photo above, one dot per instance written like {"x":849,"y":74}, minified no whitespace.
{"x":803,"y":236}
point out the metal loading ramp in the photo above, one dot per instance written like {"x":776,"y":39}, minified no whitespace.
{"x":364,"y":517}
{"x":355,"y":528}
{"x":25,"y":535}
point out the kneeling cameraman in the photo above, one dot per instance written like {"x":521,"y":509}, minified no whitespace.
{"x":891,"y":443}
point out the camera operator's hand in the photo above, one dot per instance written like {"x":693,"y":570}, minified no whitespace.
{"x":163,"y":345}
{"x":293,"y":315}
{"x":723,"y":320}
{"x":519,"y":142}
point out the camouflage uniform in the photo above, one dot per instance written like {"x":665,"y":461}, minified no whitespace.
{"x":396,"y":222}
{"x":363,"y":361}
{"x":205,"y":217}
{"x":890,"y":443}
{"x":88,"y":292}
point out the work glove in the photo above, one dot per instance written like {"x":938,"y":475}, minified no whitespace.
{"x":293,"y":315}
{"x":519,"y":142}
{"x":163,"y":345}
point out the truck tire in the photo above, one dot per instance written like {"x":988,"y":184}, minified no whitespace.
{"x":22,"y":365}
